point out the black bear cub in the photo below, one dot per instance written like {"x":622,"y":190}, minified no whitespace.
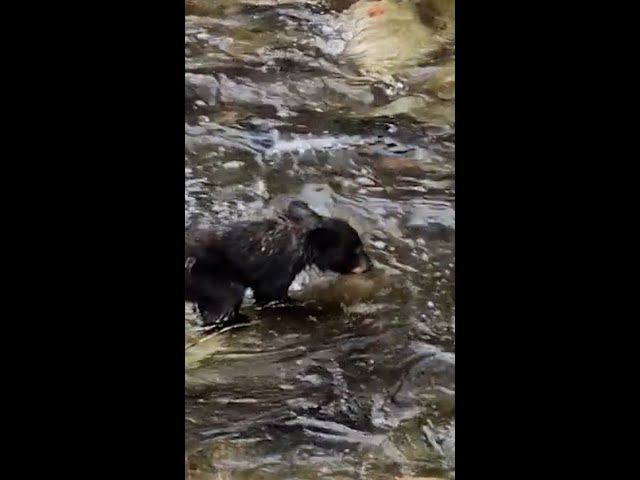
{"x":265,"y":256}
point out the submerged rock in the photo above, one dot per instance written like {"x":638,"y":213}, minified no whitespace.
{"x":419,"y":107}
{"x":387,"y":36}
{"x":200,"y":87}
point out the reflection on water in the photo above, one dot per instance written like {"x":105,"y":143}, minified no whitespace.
{"x":360,"y":381}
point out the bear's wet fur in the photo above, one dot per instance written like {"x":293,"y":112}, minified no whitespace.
{"x":222,"y":262}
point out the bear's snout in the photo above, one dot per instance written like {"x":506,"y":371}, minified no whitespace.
{"x":364,"y":264}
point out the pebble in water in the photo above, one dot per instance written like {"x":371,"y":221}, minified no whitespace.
{"x":379,"y":244}
{"x":365,"y":182}
{"x":233,"y":164}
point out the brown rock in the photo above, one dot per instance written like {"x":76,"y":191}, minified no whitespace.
{"x":398,"y":165}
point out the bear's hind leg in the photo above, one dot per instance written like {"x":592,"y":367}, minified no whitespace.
{"x":219,"y":304}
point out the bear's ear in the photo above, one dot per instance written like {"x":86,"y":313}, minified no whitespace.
{"x":299,"y":211}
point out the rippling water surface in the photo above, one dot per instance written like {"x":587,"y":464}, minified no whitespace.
{"x":300,"y":98}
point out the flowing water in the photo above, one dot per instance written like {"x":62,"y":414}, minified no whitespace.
{"x":351,"y":108}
